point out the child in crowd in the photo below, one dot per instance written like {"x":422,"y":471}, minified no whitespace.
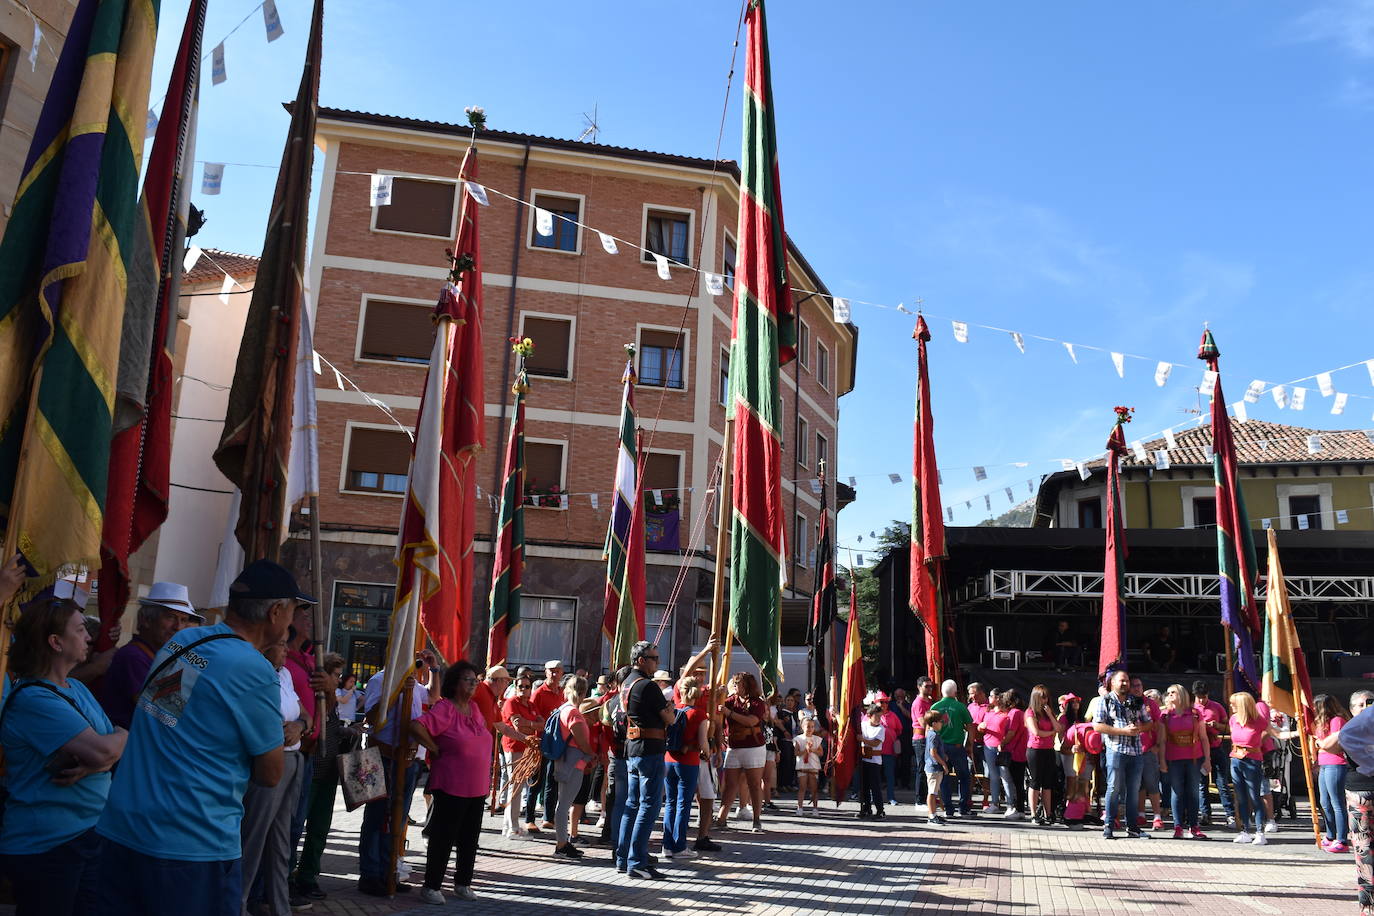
{"x":1076,"y":809}
{"x":808,"y":745}
{"x":871,"y":772}
{"x":935,"y":763}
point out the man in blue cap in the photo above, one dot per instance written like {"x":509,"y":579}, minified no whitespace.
{"x":206,"y":721}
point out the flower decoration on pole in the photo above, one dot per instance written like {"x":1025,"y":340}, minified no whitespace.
{"x":1124,"y":414}
{"x":477,"y":117}
{"x":522,"y":347}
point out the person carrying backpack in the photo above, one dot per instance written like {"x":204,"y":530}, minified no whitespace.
{"x":566,"y":745}
{"x":686,"y":738}
{"x":647,"y":715}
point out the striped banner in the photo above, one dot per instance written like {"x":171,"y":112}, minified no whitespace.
{"x":622,"y":622}
{"x":508,"y":563}
{"x":1287,"y":686}
{"x":764,"y":338}
{"x":64,"y":264}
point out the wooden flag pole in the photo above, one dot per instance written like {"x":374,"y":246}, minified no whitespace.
{"x":722,"y":548}
{"x":1301,"y":716}
{"x":1229,"y":678}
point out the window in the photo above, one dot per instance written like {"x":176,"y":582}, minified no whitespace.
{"x":668,"y":234}
{"x":803,"y":436}
{"x":803,"y":345}
{"x":545,"y":631}
{"x":378,"y":460}
{"x":724,"y":394}
{"x":653,"y":617}
{"x":1090,"y":512}
{"x":544,"y":474}
{"x":1204,"y":512}
{"x":418,"y":206}
{"x":660,"y":359}
{"x":727,"y":259}
{"x":799,"y":548}
{"x":567,"y":213}
{"x":662,"y":471}
{"x":552,"y":353}
{"x":1309,"y":506}
{"x":822,"y":451}
{"x":823,"y":366}
{"x":396,"y":331}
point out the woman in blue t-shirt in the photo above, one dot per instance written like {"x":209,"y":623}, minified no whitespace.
{"x":59,"y":748}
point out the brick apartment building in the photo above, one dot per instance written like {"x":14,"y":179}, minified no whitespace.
{"x":377,"y":272}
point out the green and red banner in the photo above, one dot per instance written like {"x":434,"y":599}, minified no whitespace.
{"x":622,"y":621}
{"x":508,"y":563}
{"x":764,"y":338}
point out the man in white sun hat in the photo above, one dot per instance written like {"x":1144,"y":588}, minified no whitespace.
{"x":166,"y":609}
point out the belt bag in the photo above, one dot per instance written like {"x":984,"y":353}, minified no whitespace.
{"x":1183,"y":739}
{"x":635,"y":733}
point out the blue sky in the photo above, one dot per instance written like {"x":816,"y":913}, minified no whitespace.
{"x":1108,"y":174}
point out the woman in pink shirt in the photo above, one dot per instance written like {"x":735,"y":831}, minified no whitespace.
{"x":1248,"y":731}
{"x":892,"y":731}
{"x":993,"y":727}
{"x":1042,"y":728}
{"x":1186,"y":760}
{"x":1014,"y":741}
{"x":455,"y":733}
{"x":1326,"y":727}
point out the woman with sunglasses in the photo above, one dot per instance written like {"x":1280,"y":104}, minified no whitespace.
{"x":518,"y":713}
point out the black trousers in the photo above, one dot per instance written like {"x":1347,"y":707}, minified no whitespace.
{"x":871,"y":787}
{"x":455,"y":824}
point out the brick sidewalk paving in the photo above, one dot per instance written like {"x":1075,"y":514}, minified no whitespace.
{"x":834,"y":864}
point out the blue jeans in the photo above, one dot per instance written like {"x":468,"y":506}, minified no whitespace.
{"x":958,"y":761}
{"x":374,"y":839}
{"x":642,"y":804}
{"x":1184,"y":777}
{"x":1221,"y":775}
{"x":1248,"y":775}
{"x":890,"y":777}
{"x":63,"y":880}
{"x":1123,"y":784}
{"x":132,"y":884}
{"x":619,"y":776}
{"x":994,"y":774}
{"x":1331,"y":788}
{"x":679,"y":791}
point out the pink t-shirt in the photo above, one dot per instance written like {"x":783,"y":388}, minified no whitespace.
{"x":1269,"y":743}
{"x":1330,"y":757}
{"x":996,"y":724}
{"x":919,"y":707}
{"x":1040,"y":742}
{"x":1147,"y":738}
{"x":892,"y":728}
{"x":463,"y":767}
{"x":1181,"y":735}
{"x":1247,"y":736}
{"x":1213,"y":717}
{"x":1016,"y":736}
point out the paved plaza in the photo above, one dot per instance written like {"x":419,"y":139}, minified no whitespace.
{"x":834,"y":864}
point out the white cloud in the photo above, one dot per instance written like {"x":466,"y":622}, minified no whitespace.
{"x":1348,"y":23}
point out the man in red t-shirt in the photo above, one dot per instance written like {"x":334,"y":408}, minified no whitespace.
{"x":547,"y":697}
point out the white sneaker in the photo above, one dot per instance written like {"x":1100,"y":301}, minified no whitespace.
{"x":745,"y":813}
{"x":1271,"y":827}
{"x":1260,"y":840}
{"x":687,"y":853}
{"x":801,"y":812}
{"x":430,"y":895}
{"x":464,"y":893}
{"x":1244,"y":837}
{"x":667,"y":855}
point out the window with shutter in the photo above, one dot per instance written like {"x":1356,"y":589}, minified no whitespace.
{"x":419,"y":207}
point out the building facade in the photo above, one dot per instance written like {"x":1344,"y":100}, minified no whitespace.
{"x":377,"y":271}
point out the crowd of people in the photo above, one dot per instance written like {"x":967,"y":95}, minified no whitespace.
{"x":203,"y":759}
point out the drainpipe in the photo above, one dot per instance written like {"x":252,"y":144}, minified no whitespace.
{"x":510,"y":321}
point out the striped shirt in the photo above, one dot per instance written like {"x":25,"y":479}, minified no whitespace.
{"x":1118,"y":714}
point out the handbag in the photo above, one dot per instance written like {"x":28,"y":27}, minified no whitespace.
{"x":362,"y":777}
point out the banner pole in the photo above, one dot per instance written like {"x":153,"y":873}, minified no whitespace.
{"x":723,"y":500}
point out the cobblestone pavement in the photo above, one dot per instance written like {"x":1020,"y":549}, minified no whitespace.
{"x":834,"y":864}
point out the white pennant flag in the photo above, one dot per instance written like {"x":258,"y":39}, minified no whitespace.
{"x":960,"y":331}
{"x":903,"y":309}
{"x":895,"y":478}
{"x":381,"y":190}
{"x":338,"y":379}
{"x":226,"y":288}
{"x":315,"y":355}
{"x":1369,"y":364}
{"x":1119,"y":361}
{"x":968,"y":504}
{"x":1342,"y":517}
{"x":1207,"y":454}
{"x":150,"y":125}
{"x":860,"y":559}
{"x":853,"y":482}
{"x":1324,"y":384}
{"x":1083,"y":472}
{"x":188,"y":263}
{"x":662,"y":262}
{"x":1161,"y":460}
{"x":608,"y":243}
{"x":1299,"y":399}
{"x":1169,"y":440}
{"x":949,"y":515}
{"x":1020,"y":341}
{"x":715,"y":284}
{"x":1264,"y":445}
{"x":33,"y":48}
{"x":218,"y":73}
{"x":658,"y":497}
{"x":840,"y":310}
{"x":1303,"y":523}
{"x":596,"y":500}
{"x":563,"y":501}
{"x":1138,"y":448}
{"x":1338,"y":405}
{"x":815,"y":486}
{"x":1162,"y":373}
{"x":478,"y":193}
{"x":1030,"y":486}
{"x":1267,"y":523}
{"x":271,"y":20}
{"x":1209,"y":383}
{"x":1314,"y":444}
{"x":939,"y":477}
{"x":1242,"y":415}
{"x":1252,"y":393}
{"x":987,"y":500}
{"x":1072,"y":355}
{"x":1010,"y":498}
{"x":1066,"y":464}
{"x":211,"y":178}
{"x":1280,"y":394}
{"x":543,"y":222}
{"x":980,"y":473}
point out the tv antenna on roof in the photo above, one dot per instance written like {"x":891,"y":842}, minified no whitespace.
{"x":592,"y":128}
